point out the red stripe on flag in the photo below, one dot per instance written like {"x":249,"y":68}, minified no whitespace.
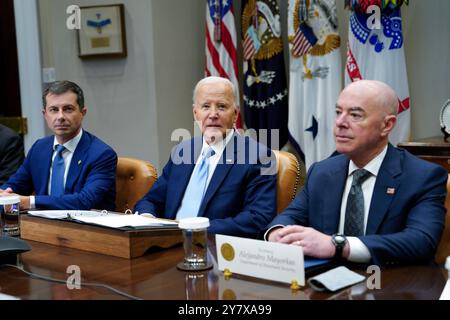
{"x":403,"y":105}
{"x":229,"y":46}
{"x":249,"y":49}
{"x":222,"y":55}
{"x":214,"y":56}
{"x":352,"y":66}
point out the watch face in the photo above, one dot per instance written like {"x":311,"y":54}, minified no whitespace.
{"x":339,"y":239}
{"x":445,"y":117}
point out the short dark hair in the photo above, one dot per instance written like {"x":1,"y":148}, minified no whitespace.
{"x":60,"y":87}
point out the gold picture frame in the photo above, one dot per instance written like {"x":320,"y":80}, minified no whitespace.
{"x":102,"y":33}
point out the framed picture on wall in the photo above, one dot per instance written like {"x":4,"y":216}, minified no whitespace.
{"x":102,"y":32}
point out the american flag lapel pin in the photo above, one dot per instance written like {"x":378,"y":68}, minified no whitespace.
{"x":390,"y":190}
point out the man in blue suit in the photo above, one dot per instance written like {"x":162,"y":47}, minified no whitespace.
{"x":72,"y":169}
{"x":222,"y":175}
{"x":374,"y":203}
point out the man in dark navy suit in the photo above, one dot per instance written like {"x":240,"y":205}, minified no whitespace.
{"x":11,"y":153}
{"x":71,"y":169}
{"x":374,"y":203}
{"x":220,"y":175}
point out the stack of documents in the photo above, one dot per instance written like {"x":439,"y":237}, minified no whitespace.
{"x":103,"y":218}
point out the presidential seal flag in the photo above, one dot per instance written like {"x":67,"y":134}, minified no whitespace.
{"x":265,"y":89}
{"x":375,"y":52}
{"x":221,"y":41}
{"x":315,"y":77}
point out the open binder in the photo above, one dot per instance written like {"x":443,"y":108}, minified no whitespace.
{"x":100,"y":232}
{"x":108,"y":219}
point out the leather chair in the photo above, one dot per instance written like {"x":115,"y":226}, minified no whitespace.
{"x":288,"y":171}
{"x":443,"y":250}
{"x":134,"y":177}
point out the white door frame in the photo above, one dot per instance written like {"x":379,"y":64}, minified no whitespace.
{"x":30,"y":68}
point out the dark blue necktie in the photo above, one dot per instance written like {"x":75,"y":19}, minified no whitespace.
{"x":57,"y":186}
{"x":354,"y":213}
{"x":196,"y":188}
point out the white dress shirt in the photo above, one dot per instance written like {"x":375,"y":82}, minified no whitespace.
{"x":67,"y":155}
{"x":358,"y":251}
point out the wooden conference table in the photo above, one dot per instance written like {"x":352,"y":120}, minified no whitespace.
{"x":155,"y":276}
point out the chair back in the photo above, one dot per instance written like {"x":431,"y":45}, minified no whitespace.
{"x":443,"y":250}
{"x":288,"y":174}
{"x":134,"y":177}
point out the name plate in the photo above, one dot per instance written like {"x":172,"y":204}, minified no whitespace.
{"x":261,"y":259}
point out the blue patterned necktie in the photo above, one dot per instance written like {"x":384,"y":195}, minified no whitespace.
{"x":57,"y":186}
{"x":354,"y":212}
{"x":196,"y":188}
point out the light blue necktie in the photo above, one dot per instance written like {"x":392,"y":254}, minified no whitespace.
{"x":57,"y":186}
{"x":196,"y":188}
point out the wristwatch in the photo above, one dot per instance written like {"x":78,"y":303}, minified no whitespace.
{"x":339,"y":241}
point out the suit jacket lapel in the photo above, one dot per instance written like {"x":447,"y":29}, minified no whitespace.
{"x":78,"y":158}
{"x":384,"y":191}
{"x":335,"y":185}
{"x":181,"y":175}
{"x":221,"y":171}
{"x":43,"y":166}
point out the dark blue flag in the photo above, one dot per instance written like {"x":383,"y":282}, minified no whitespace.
{"x":265,"y":89}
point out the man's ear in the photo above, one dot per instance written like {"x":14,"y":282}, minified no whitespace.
{"x":194,"y":112}
{"x":388,"y":124}
{"x":236,"y":114}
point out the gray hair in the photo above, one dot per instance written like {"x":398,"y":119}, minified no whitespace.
{"x":213,"y":79}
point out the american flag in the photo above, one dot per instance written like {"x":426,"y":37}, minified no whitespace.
{"x":304,"y":39}
{"x":221,"y":54}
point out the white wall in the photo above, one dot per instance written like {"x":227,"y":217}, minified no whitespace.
{"x":427,"y":42}
{"x":119,"y":93}
{"x":28,"y":51}
{"x":179,"y":50}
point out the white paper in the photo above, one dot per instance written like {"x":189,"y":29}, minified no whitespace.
{"x":63,"y":214}
{"x":104,"y":218}
{"x":122,"y":220}
{"x":446,"y":292}
{"x":7,"y":297}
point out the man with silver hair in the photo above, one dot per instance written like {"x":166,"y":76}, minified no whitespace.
{"x":220,"y":175}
